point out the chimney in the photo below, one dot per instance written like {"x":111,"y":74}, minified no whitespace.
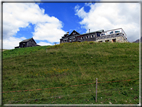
{"x":67,"y":32}
{"x":89,"y":30}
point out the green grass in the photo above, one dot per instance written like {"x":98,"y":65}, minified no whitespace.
{"x":22,"y":51}
{"x":71,"y":64}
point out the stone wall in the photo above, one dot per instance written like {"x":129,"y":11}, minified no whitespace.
{"x":113,"y":39}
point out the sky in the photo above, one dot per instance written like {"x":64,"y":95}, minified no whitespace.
{"x":48,"y":22}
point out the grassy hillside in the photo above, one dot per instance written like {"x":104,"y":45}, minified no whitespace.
{"x":22,"y":51}
{"x":61,"y":75}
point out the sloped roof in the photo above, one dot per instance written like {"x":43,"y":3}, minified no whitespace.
{"x":78,"y":34}
{"x":138,"y":40}
{"x":26,"y":40}
{"x":93,"y":32}
{"x":74,"y":32}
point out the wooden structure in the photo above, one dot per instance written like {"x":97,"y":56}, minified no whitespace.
{"x":27,"y":43}
{"x":115,"y":35}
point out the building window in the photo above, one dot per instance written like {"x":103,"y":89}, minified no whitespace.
{"x":98,"y":35}
{"x":102,"y":34}
{"x":100,"y":41}
{"x":106,"y":40}
{"x":117,"y":31}
{"x":113,"y":40}
{"x":111,"y":32}
{"x":24,"y":45}
{"x":92,"y":36}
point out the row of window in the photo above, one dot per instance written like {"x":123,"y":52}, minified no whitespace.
{"x":92,"y":36}
{"x":112,"y":32}
{"x":71,"y":40}
{"x":82,"y":38}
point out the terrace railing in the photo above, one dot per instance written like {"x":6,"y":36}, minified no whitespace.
{"x":111,"y":36}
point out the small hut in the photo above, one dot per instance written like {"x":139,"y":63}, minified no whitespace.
{"x":27,"y":43}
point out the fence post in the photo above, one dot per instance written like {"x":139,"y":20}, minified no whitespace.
{"x":96,"y":88}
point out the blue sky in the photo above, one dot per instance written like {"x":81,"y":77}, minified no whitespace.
{"x":48,"y":22}
{"x":65,"y":12}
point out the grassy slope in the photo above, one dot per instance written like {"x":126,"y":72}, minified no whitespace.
{"x":72,"y":64}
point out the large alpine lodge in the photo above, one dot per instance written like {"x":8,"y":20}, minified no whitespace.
{"x":114,"y":35}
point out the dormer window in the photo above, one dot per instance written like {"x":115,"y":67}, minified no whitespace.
{"x":111,"y":32}
{"x":102,"y":34}
{"x":117,"y":31}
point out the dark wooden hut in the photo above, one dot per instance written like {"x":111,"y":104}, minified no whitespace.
{"x":27,"y":43}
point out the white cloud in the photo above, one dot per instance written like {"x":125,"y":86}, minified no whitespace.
{"x":48,"y":31}
{"x":20,"y":15}
{"x":12,"y":42}
{"x":44,"y":43}
{"x":110,"y":16}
